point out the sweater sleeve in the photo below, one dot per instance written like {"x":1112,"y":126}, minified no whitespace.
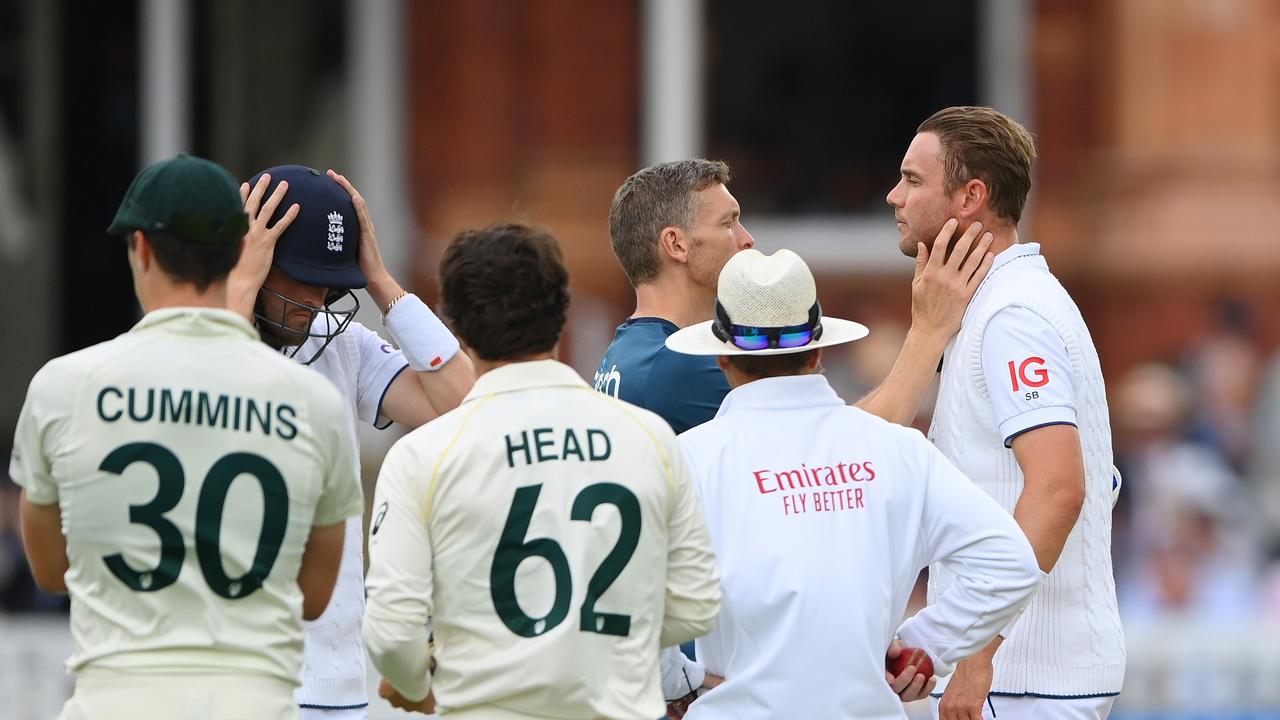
{"x":693,"y":583}
{"x":1028,"y":373}
{"x":995,"y":568}
{"x":400,"y":582}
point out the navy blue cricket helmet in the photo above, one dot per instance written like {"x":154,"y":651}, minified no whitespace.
{"x":321,"y":248}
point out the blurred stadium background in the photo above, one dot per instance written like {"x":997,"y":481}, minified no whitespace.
{"x":1157,"y":201}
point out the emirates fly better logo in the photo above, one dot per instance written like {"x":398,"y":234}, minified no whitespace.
{"x":335,"y":231}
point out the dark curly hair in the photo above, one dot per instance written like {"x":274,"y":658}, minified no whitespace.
{"x":505,"y":290}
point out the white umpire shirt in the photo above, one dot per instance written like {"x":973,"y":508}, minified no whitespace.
{"x":821,"y":517}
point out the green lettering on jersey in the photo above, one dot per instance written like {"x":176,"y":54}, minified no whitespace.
{"x":571,"y":445}
{"x":542,"y":441}
{"x":512,"y":448}
{"x":209,"y":510}
{"x":513,"y":549}
{"x":598,"y":445}
{"x":208,"y":522}
{"x":261,"y":417}
{"x":175,"y":412}
{"x":170,"y":481}
{"x":134,"y":415}
{"x":285,"y":415}
{"x":211,"y":416}
{"x":102,"y":401}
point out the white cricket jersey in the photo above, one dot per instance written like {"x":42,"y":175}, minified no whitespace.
{"x":821,"y":517}
{"x":553,"y":538}
{"x":1024,"y":359}
{"x":190,"y":463}
{"x":362,"y":366}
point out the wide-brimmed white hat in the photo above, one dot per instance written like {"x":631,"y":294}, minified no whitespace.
{"x":757,"y":298}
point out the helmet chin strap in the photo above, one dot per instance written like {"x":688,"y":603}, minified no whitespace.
{"x":325,"y":323}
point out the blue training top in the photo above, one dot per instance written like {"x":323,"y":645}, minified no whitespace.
{"x":686,"y":390}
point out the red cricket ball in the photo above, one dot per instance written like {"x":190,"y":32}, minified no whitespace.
{"x":910,"y":657}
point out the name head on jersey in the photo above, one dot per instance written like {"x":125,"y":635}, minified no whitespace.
{"x":319,"y":250}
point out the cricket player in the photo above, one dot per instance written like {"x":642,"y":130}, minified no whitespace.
{"x":673,"y":226}
{"x":1022,"y":411}
{"x":314,"y":243}
{"x":186,"y":485}
{"x":823,"y":515}
{"x":549,"y":534}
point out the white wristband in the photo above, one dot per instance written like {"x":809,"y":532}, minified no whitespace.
{"x":426,"y":343}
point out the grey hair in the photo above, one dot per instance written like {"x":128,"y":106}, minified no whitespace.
{"x":655,"y":198}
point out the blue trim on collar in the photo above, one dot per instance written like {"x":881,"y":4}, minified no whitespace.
{"x":333,"y":707}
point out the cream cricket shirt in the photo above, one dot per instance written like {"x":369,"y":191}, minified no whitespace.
{"x":553,"y":537}
{"x":190,"y":463}
{"x":821,"y":517}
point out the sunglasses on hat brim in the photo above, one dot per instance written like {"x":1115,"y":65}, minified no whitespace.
{"x":748,"y":337}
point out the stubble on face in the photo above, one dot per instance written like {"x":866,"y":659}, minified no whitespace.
{"x":715,"y":235}
{"x":921,"y":203}
{"x":294,"y":315}
{"x":291,"y":331}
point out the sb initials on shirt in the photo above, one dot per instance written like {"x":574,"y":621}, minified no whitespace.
{"x":1030,"y":373}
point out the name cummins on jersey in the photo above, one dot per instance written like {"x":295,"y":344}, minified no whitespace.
{"x":189,"y":462}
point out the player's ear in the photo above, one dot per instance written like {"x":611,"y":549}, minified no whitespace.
{"x":674,"y":243}
{"x":140,"y":249}
{"x":815,"y":361}
{"x":973,"y":198}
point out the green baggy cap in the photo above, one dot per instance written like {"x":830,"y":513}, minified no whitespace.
{"x":192,"y":198}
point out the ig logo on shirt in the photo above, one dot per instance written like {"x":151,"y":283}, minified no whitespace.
{"x":1030,"y":373}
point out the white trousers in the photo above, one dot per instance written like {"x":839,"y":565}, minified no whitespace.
{"x":1001,"y":707}
{"x":107,"y":695}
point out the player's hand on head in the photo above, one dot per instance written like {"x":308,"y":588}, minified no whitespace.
{"x":260,"y":240}
{"x":945,"y":282}
{"x":259,"y":248}
{"x":370,"y":255}
{"x":426,"y":705}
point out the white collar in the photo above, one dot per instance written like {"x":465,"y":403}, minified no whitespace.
{"x":781,"y":392}
{"x":523,"y":376}
{"x":1014,"y":251}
